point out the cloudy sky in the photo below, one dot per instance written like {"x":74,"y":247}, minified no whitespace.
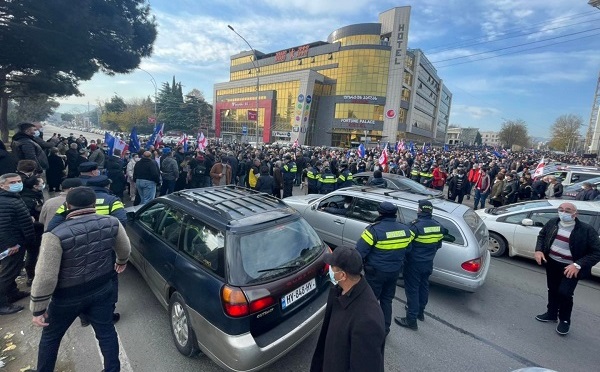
{"x":502,"y":59}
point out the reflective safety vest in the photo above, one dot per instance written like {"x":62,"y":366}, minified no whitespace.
{"x":312,"y":179}
{"x":428,"y":239}
{"x":289,"y":171}
{"x":326,"y":183}
{"x":384,"y":244}
{"x":345,"y":179}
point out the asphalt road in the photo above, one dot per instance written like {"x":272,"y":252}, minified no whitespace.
{"x":491,"y":330}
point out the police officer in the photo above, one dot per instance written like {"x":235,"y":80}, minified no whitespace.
{"x":415,"y":172}
{"x":87,"y":170}
{"x":327,"y":181}
{"x":345,"y":177}
{"x":426,"y":177}
{"x":288,"y":171}
{"x":383,"y":246}
{"x":311,"y":178}
{"x":419,"y":264}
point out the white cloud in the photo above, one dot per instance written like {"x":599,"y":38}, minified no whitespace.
{"x":474,"y":112}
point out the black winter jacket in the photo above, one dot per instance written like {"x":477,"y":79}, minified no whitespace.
{"x":25,"y":147}
{"x":8,"y":162}
{"x":352,"y":337}
{"x":583,"y":243}
{"x":16,"y":226}
{"x":265,"y":183}
{"x":146,"y":169}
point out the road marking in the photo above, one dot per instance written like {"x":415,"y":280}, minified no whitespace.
{"x":123,"y":358}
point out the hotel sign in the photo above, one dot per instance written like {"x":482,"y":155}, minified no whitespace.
{"x":361,"y":99}
{"x":358,"y":124}
{"x":291,"y":54}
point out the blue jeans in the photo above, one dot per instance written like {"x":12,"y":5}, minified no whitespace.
{"x":416,"y":287}
{"x":384,"y":287}
{"x":480,"y":196}
{"x":146,"y":189}
{"x":167,"y":187}
{"x":98,"y":309}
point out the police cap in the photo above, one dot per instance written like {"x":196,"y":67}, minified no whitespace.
{"x":387,"y":208}
{"x":87,"y":166}
{"x":426,"y":206}
{"x":100,"y":181}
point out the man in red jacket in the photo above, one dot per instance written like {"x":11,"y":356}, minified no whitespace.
{"x":472,"y":177}
{"x":482,"y":187}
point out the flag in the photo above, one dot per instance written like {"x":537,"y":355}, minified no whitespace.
{"x":109,"y":139}
{"x":445,"y":148}
{"x":411,"y":147}
{"x":400,"y":146}
{"x":361,"y":150}
{"x":183,"y":141}
{"x":295,"y":144}
{"x":383,"y":158}
{"x":151,"y":120}
{"x":134,"y":141}
{"x":120,"y":145}
{"x":539,"y":170}
{"x":201,"y":141}
{"x":156,"y":137}
{"x":497,"y":154}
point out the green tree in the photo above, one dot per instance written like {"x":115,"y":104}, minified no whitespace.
{"x":32,"y":108}
{"x":514,"y":132}
{"x":134,"y":113}
{"x":478,"y":139}
{"x":67,"y":117}
{"x":565,"y":132}
{"x":48,"y":47}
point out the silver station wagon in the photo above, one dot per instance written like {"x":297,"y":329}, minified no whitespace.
{"x":341,"y":216}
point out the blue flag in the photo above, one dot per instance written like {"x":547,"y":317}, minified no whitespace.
{"x":411,"y":147}
{"x":134,"y":141}
{"x":153,"y":137}
{"x":361,"y":150}
{"x":446,"y":148}
{"x":109,"y":139}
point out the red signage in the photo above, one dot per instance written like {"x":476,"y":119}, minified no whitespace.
{"x":252,"y":115}
{"x":390,"y":114}
{"x":282,"y":56}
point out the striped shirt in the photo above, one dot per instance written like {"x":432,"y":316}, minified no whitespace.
{"x":560,"y":251}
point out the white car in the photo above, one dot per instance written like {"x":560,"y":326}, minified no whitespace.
{"x":514,"y":228}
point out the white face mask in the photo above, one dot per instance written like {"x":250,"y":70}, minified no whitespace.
{"x":332,"y":276}
{"x":566,"y":217}
{"x":36,"y":133}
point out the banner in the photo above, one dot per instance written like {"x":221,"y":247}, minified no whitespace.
{"x":252,"y":115}
{"x":134,"y":141}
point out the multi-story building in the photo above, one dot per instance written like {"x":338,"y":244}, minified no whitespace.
{"x":362,"y":84}
{"x":461,"y":136}
{"x":490,"y":138}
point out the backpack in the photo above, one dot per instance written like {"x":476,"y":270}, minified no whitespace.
{"x":199,"y":170}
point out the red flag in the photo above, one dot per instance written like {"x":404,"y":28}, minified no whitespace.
{"x":383,"y":158}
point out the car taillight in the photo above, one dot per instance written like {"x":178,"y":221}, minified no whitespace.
{"x":236,"y":305}
{"x":234,"y":301}
{"x":325,"y":269}
{"x":472,"y":266}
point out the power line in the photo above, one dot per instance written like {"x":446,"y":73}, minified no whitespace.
{"x":515,"y":36}
{"x":519,"y":51}
{"x":519,"y":29}
{"x":516,"y":46}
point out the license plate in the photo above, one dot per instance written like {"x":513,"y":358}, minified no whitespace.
{"x":298,"y":293}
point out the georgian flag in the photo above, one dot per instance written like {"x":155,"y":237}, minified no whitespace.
{"x":539,"y":170}
{"x":201,"y":140}
{"x":183,"y":141}
{"x":383,"y":158}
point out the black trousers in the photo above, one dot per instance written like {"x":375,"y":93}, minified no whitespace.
{"x":10,"y":268}
{"x":560,"y":290}
{"x":287,"y":188}
{"x":416,"y":287}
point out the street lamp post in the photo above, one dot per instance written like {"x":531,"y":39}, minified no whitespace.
{"x":153,"y":81}
{"x":255,"y":63}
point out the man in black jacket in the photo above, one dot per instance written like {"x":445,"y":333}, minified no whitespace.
{"x":352,"y":337}
{"x":146,"y":176}
{"x":16,"y":233}
{"x":569,"y":248}
{"x":24,"y":146}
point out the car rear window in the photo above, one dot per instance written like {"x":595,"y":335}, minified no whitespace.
{"x":476,"y":225}
{"x":273,"y":252}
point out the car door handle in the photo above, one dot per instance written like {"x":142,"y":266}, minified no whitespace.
{"x":339,"y":222}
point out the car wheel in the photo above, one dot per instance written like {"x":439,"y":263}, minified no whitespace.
{"x":181,"y":329}
{"x":497,"y":245}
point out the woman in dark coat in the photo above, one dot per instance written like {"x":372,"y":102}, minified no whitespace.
{"x":8,"y":162}
{"x":56,"y":169}
{"x":33,"y":196}
{"x":266,"y":182}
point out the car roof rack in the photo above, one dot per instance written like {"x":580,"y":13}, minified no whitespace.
{"x":232,"y":202}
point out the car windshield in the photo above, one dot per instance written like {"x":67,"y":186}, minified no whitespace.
{"x":273,"y":252}
{"x":410,"y":184}
{"x":518,"y":207}
{"x":577,"y":186}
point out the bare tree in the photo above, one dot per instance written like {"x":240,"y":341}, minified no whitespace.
{"x":565,"y":132}
{"x":514,"y":132}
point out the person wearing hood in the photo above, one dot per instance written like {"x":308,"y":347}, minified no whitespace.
{"x":8,"y":161}
{"x":16,"y":233}
{"x":568,"y":248}
{"x":24,"y":146}
{"x":266,"y":182}
{"x":419,"y":264}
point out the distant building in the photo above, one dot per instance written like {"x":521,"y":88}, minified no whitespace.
{"x":363,"y":84}
{"x":461,"y":136}
{"x":490,"y":138}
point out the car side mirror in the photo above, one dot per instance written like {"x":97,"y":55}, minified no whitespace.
{"x":527,"y":222}
{"x":313,"y":207}
{"x":130,"y":216}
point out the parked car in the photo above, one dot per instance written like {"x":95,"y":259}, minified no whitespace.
{"x":241,"y":274}
{"x":397,"y":182}
{"x":514,"y":228}
{"x":462,"y":262}
{"x":570,"y":192}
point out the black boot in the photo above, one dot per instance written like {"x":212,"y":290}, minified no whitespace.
{"x":407,"y":323}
